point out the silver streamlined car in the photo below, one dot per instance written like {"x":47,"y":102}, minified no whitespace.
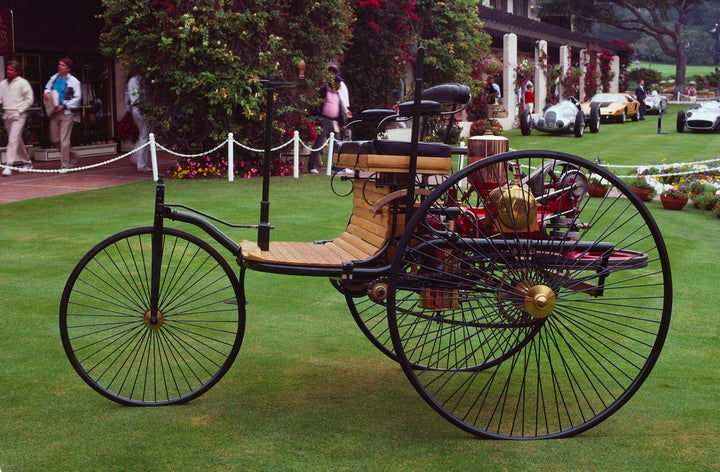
{"x":703,"y":117}
{"x":564,"y":117}
{"x":655,"y":103}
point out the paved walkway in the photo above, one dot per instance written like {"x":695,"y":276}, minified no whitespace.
{"x":26,"y":185}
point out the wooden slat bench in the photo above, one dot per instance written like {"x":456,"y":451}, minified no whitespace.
{"x":365,"y":236}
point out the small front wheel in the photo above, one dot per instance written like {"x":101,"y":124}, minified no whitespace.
{"x":114,"y":344}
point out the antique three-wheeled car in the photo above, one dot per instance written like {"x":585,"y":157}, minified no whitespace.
{"x":516,"y":305}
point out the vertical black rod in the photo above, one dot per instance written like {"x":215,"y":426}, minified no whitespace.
{"x":264,"y":226}
{"x":157,"y":250}
{"x":415,"y":136}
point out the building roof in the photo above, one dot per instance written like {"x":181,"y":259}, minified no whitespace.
{"x":498,"y":23}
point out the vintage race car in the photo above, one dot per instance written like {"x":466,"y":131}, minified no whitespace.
{"x":565,"y":117}
{"x":655,"y":103}
{"x":703,"y":117}
{"x":615,"y":106}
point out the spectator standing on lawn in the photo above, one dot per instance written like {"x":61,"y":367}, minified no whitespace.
{"x":63,"y":117}
{"x":640,"y":95}
{"x":16,"y":96}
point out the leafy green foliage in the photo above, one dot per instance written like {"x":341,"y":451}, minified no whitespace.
{"x":204,"y":61}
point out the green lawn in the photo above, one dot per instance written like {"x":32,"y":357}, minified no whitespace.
{"x":307,"y":391}
{"x":668,"y":70}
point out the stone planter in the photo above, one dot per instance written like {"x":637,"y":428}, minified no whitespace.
{"x":673,"y":203}
{"x":91,"y":150}
{"x":3,"y":153}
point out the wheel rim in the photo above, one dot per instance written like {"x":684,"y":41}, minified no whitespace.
{"x":106,"y":329}
{"x":498,"y":367}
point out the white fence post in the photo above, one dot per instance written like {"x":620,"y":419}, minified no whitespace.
{"x":296,"y":154}
{"x":331,"y":146}
{"x":153,"y":157}
{"x":231,"y":158}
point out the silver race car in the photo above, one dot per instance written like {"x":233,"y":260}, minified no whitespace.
{"x":565,"y":117}
{"x":703,"y":117}
{"x":655,"y":103}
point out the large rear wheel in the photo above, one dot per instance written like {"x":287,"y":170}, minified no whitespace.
{"x":535,"y":311}
{"x":106,"y":327}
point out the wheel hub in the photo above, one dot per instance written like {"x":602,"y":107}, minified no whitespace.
{"x":158,"y":322}
{"x":539,"y":301}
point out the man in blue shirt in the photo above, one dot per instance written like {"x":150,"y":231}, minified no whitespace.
{"x":69,"y":95}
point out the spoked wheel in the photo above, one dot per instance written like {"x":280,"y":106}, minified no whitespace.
{"x":538,"y":312}
{"x":106,"y":327}
{"x":370,"y":316}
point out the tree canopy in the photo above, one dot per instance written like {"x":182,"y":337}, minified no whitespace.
{"x":661,"y":20}
{"x":204,"y":61}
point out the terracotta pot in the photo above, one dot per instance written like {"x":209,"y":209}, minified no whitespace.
{"x":673,"y":203}
{"x":645,"y":194}
{"x":597,"y":190}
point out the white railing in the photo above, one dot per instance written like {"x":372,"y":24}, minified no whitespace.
{"x":295,"y":141}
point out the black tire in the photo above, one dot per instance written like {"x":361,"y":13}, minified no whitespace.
{"x":680,"y":121}
{"x":105,"y":327}
{"x":636,"y":115}
{"x":623,"y":117}
{"x":525,"y":123}
{"x":533,"y":332}
{"x":579,"y":126}
{"x":594,"y":119}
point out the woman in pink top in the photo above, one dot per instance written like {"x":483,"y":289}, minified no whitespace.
{"x":332,"y":117}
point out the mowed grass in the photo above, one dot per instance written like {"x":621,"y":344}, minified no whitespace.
{"x":668,"y":70}
{"x":308,"y":392}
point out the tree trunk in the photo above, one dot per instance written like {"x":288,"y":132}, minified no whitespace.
{"x":680,"y":68}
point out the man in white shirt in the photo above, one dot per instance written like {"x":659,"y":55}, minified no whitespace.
{"x":63,"y":114}
{"x":16,"y":96}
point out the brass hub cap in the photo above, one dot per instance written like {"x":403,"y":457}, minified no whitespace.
{"x":539,"y":301}
{"x":158,"y":323}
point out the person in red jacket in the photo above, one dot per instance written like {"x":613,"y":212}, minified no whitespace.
{"x":529,"y":98}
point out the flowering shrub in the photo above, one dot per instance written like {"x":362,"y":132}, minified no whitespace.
{"x":676,"y":190}
{"x":127,"y":130}
{"x":480,"y":127}
{"x":216,"y":165}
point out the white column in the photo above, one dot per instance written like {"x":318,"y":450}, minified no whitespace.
{"x":615,"y":68}
{"x":583,"y":60}
{"x":565,"y":66}
{"x":540,"y":76}
{"x":510,"y":61}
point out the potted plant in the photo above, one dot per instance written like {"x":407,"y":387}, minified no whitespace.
{"x":674,"y":197}
{"x":597,"y":186}
{"x":642,"y":188}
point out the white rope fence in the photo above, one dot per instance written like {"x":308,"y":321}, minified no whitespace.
{"x":649,"y":171}
{"x":296,"y":142}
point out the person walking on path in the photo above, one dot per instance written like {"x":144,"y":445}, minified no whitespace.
{"x":332,"y":118}
{"x":640,"y":95}
{"x":16,"y":96}
{"x":62,"y":119}
{"x":133,"y":97}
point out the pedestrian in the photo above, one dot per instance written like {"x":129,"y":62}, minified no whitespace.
{"x":331,"y":118}
{"x":64,"y":112}
{"x":344,"y":93}
{"x":640,"y":95}
{"x":16,"y":96}
{"x":133,"y":98}
{"x":529,"y":98}
{"x":492,"y":91}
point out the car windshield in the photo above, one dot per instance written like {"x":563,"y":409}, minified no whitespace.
{"x":609,"y":97}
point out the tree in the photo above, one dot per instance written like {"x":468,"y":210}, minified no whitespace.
{"x":661,"y":20}
{"x":203,"y":61}
{"x":385,"y":39}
